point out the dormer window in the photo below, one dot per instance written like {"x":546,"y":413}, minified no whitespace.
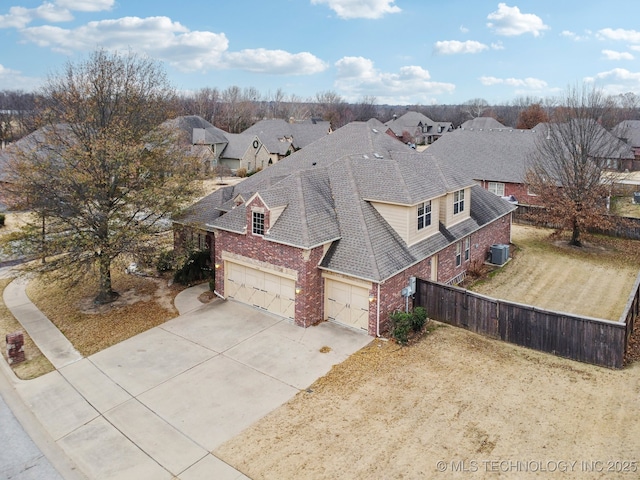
{"x":458,"y":202}
{"x":257,"y":224}
{"x":424,"y":215}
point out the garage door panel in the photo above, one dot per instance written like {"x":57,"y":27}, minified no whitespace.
{"x":261,"y":289}
{"x":347,"y":304}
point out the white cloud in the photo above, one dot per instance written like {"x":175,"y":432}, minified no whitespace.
{"x":616,"y":81}
{"x":497,"y":46}
{"x":357,"y":77}
{"x":275,"y":62}
{"x":509,"y":21}
{"x":164,"y":39}
{"x":619,"y":34}
{"x":454,"y":47}
{"x":87,"y":5}
{"x":371,"y":9}
{"x":14,"y":80}
{"x":528,"y":83}
{"x":55,"y":12}
{"x":464,"y":29}
{"x":574,"y":36}
{"x":613,"y":55}
{"x":19,"y":17}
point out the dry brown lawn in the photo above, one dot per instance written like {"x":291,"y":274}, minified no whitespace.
{"x":392,"y":412}
{"x":595,"y":280}
{"x":144,"y":303}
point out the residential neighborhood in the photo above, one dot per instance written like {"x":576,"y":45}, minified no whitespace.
{"x":205,"y":285}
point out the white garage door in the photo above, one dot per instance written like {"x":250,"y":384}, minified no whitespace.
{"x":265,"y":290}
{"x":346,"y":303}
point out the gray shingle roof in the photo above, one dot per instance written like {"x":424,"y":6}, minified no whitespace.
{"x":238,"y":145}
{"x":629,"y":131}
{"x":198,"y":130}
{"x":327,"y":188}
{"x":482,"y":123}
{"x":496,"y":155}
{"x":277,"y":134}
{"x":412,"y":120}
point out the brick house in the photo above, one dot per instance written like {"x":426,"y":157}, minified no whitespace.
{"x":498,"y":158}
{"x":335,"y":230}
{"x":421,"y":128}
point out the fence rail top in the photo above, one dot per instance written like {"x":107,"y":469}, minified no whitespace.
{"x":632,"y":296}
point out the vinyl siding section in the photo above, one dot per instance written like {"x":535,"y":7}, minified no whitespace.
{"x":447,"y":216}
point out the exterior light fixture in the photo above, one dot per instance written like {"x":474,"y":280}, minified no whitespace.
{"x":217,"y":265}
{"x":372,"y":299}
{"x":298,"y":289}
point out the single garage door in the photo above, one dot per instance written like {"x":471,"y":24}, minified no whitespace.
{"x":347,"y":303}
{"x":261,"y":289}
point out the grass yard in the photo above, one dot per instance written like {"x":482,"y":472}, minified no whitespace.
{"x":595,"y":280}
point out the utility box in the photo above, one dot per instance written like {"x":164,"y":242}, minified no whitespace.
{"x":15,"y":350}
{"x":499,"y":254}
{"x":636,"y":198}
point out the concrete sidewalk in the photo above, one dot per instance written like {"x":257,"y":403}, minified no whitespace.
{"x":157,"y":405}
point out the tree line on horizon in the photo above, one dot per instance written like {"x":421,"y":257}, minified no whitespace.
{"x":235,"y":109}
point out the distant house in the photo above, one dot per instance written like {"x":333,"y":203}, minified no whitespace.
{"x":336,"y":230}
{"x":421,"y":129}
{"x":498,"y":158}
{"x":245,"y":150}
{"x":482,"y":123}
{"x":201,"y":138}
{"x":281,"y":138}
{"x":629,"y":132}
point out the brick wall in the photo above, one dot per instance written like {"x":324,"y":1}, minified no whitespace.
{"x":309,"y":303}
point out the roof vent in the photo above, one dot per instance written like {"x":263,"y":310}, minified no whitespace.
{"x":377,"y":155}
{"x":374,"y":130}
{"x":366,"y":157}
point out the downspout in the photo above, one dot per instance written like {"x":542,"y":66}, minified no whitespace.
{"x":378,"y":313}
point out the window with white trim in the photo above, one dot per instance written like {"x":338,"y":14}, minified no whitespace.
{"x":424,"y":215}
{"x":458,"y":202}
{"x":458,"y":254}
{"x":258,"y":223}
{"x":497,"y":188}
{"x":467,"y":249}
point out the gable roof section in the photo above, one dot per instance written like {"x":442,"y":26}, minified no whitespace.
{"x":238,"y":145}
{"x":408,"y":122}
{"x":198,"y":130}
{"x":628,"y":131}
{"x":276,"y":133}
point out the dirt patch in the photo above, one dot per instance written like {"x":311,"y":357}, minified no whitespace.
{"x":595,"y":280}
{"x":393,"y":413}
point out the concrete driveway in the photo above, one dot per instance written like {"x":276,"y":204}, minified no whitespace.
{"x":156,"y":405}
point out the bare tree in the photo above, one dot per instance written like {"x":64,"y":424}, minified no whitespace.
{"x":476,"y":107}
{"x":102,"y":172}
{"x":566,"y":170}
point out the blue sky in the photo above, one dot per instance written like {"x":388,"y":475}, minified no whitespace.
{"x":398,"y":51}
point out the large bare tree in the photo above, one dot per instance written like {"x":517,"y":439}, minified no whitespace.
{"x":102,"y":172}
{"x":574,"y":163}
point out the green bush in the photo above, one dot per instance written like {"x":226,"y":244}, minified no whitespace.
{"x":197,"y":267}
{"x":403,"y":323}
{"x":165,"y":261}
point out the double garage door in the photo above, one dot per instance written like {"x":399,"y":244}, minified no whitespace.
{"x":347,"y":303}
{"x":259,"y":288}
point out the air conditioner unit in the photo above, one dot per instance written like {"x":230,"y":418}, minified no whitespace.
{"x":499,"y":254}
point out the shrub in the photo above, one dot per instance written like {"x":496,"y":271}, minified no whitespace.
{"x":241,"y":172}
{"x":403,"y":323}
{"x":165,"y":261}
{"x":1,"y":219}
{"x":196,"y":267}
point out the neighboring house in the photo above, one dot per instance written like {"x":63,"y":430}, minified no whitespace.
{"x":201,"y":137}
{"x":282,"y":138}
{"x":245,"y":150}
{"x":629,"y":132}
{"x":482,"y":123}
{"x":498,"y":158}
{"x":336,"y":230}
{"x":421,"y":128}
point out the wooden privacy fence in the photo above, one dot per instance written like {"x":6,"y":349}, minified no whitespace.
{"x":590,"y":340}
